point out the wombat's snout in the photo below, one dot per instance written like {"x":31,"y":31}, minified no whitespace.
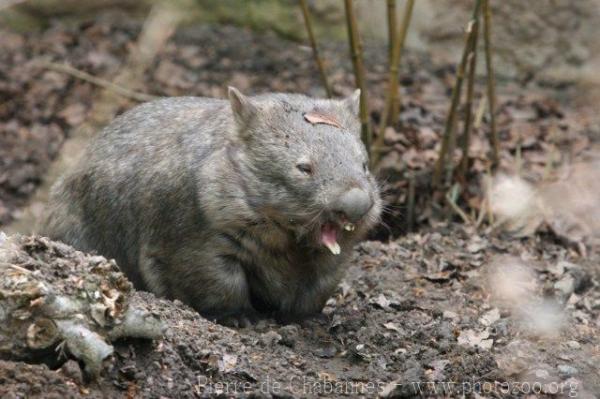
{"x":353,"y":204}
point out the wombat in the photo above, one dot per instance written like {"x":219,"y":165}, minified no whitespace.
{"x":238,"y":208}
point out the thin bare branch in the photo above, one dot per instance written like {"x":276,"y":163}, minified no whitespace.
{"x":392,"y":94}
{"x":395,"y":103}
{"x":313,"y":44}
{"x":449,"y":165}
{"x":479,"y":113}
{"x":491,"y":82}
{"x":391,"y":20}
{"x":69,"y":70}
{"x":16,"y":267}
{"x":452,"y":202}
{"x":456,"y":90}
{"x":359,"y":72}
{"x":410,"y":202}
{"x":466,"y":136}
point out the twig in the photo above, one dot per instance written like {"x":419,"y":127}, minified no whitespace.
{"x":519,"y":156}
{"x":64,"y":68}
{"x":391,"y":17}
{"x":359,"y":72}
{"x":313,"y":44}
{"x":553,"y":154}
{"x":491,"y":82}
{"x":452,"y":202}
{"x":486,"y":207}
{"x":392,"y":94}
{"x":482,"y":212}
{"x":479,"y":113}
{"x":18,"y":268}
{"x":410,"y":205}
{"x":456,"y":90}
{"x":406,"y":18}
{"x":466,"y":137}
{"x":449,"y":165}
{"x":488,"y":203}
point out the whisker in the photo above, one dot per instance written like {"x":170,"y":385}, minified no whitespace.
{"x":313,"y":219}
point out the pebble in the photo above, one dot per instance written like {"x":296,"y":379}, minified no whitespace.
{"x":449,"y":315}
{"x":444,"y":330}
{"x":326,"y":352}
{"x":566,"y":285}
{"x":567,"y":371}
{"x":413,"y":374}
{"x":490,"y":317}
{"x":573,"y":345}
{"x":269,"y":338}
{"x":289,"y":335}
{"x":576,"y":279}
{"x":543,"y":374}
{"x":444,"y":346}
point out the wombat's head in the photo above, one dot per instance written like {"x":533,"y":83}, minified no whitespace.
{"x":309,"y":166}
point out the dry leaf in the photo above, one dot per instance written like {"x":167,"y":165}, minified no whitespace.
{"x":381,"y":301}
{"x":227,"y":363}
{"x":392,"y":326}
{"x":473,"y":338}
{"x":490,"y":317}
{"x":315,"y":118}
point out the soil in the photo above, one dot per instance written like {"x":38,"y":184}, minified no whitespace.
{"x":449,"y":310}
{"x":427,"y":314}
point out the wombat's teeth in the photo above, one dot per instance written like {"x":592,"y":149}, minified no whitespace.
{"x":334,"y":247}
{"x":349,"y":227}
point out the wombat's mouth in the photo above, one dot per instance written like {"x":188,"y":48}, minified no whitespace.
{"x":329,"y":235}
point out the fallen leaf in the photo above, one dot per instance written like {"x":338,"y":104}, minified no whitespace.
{"x":324,"y":376}
{"x":392,"y":326}
{"x":436,"y":373}
{"x":448,"y":314}
{"x":476,"y":245}
{"x":490,"y":317}
{"x":475,"y":339}
{"x":315,"y":117}
{"x":227,"y":363}
{"x":381,"y":301}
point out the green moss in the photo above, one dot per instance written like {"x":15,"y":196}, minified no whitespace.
{"x":280,"y":16}
{"x":21,"y":22}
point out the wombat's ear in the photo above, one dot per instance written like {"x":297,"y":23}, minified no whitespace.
{"x":242,"y":107}
{"x":352,"y":102}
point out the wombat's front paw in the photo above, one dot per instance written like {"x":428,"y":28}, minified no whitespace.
{"x":242,"y":320}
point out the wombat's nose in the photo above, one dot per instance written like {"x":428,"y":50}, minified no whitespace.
{"x":354,"y":204}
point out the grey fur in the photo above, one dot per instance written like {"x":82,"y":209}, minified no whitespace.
{"x":201,"y":199}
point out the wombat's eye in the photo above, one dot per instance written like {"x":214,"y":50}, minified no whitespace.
{"x":305,"y":168}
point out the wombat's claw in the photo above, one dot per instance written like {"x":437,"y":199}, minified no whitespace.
{"x":238,"y":321}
